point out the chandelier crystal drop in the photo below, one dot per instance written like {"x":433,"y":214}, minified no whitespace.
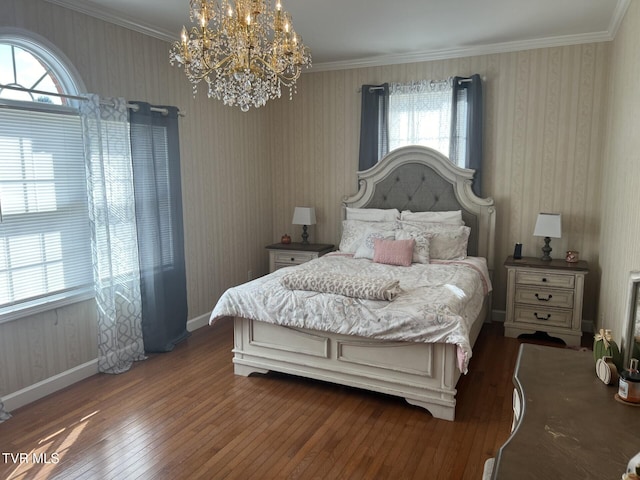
{"x":245,"y":50}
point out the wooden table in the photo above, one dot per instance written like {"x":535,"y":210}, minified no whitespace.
{"x":570,"y":425}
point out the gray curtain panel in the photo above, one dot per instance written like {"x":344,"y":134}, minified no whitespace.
{"x":469,"y":91}
{"x":374,"y":129}
{"x":158,"y":199}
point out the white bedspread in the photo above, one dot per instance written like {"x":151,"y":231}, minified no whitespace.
{"x":438,"y":302}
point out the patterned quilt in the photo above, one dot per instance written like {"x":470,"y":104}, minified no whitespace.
{"x":437,"y":301}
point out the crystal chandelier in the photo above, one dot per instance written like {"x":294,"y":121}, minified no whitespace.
{"x":245,"y":51}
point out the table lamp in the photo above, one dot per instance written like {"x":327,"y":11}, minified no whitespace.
{"x":304,"y":216}
{"x":548,"y":225}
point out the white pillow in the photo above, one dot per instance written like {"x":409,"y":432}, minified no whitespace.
{"x":448,"y":242}
{"x":373,"y":214}
{"x":353,"y":232}
{"x":367,"y":244}
{"x":453,"y":217}
{"x":422,"y":245}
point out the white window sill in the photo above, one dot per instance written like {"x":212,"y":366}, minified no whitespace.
{"x":27,"y":309}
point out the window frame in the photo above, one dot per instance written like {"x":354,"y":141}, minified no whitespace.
{"x":432,"y":87}
{"x":69,"y":85}
{"x":414,"y":91}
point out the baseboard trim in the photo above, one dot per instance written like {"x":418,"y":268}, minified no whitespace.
{"x":587,"y":326}
{"x":198,"y":322}
{"x":50,"y":385}
{"x":62,"y":380}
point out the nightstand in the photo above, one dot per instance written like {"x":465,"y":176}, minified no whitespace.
{"x":288,"y":254}
{"x":545,"y":296}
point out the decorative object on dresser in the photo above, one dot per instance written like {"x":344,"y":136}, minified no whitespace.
{"x":289,"y":254}
{"x":548,"y":225}
{"x":633,"y":469}
{"x":607,"y":371}
{"x":629,"y":384}
{"x":563,"y":416}
{"x":286,"y":239}
{"x":545,"y":296}
{"x":304,"y":216}
{"x":572,"y":256}
{"x":605,"y":346}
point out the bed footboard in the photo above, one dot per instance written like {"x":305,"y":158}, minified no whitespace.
{"x":424,"y":374}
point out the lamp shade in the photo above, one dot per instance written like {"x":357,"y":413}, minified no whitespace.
{"x":548,"y":225}
{"x":304,"y":216}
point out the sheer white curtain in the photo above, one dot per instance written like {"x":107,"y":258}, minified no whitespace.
{"x":4,"y":415}
{"x":420,"y":114}
{"x":113,"y":230}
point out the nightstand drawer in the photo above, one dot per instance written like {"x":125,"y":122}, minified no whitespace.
{"x":288,"y":254}
{"x":544,"y":279}
{"x":543,"y":316}
{"x":293,"y":258}
{"x":544,"y":298}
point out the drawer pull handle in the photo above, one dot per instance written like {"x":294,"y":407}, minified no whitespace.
{"x":544,"y":299}
{"x":542,"y":318}
{"x":293,"y":259}
{"x":544,"y":279}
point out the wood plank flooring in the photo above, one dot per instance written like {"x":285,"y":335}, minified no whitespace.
{"x":185,"y":415}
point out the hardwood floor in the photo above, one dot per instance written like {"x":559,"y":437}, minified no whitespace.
{"x":185,"y":415}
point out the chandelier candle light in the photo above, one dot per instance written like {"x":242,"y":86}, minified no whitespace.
{"x":245,"y":51}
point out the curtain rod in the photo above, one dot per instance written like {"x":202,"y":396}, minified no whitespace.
{"x":462,"y":80}
{"x":135,"y":108}
{"x":132,"y":106}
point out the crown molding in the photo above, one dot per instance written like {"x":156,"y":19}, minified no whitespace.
{"x":111,"y":16}
{"x":91,"y":9}
{"x":472,"y":51}
{"x":618,"y":16}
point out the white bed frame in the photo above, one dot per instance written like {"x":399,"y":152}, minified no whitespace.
{"x":424,"y":374}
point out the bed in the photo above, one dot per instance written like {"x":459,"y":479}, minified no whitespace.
{"x":423,"y":370}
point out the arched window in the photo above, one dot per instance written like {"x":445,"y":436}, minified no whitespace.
{"x":45,"y":254}
{"x":22,"y":69}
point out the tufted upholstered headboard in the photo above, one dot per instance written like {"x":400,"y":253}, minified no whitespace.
{"x":421,"y":179}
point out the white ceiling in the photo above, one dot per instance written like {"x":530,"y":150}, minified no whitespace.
{"x":351,"y":33}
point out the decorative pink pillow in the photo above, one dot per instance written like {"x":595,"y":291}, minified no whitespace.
{"x":393,"y":252}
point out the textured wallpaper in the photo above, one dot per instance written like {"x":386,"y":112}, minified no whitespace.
{"x":544,"y":130}
{"x":620,"y":232}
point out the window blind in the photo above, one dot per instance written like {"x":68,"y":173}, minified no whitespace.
{"x":45,"y":251}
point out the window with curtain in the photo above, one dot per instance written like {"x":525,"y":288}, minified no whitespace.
{"x":445,"y":115}
{"x":420,"y":114}
{"x":45,"y":254}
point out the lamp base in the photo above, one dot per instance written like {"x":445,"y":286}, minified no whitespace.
{"x":305,"y":235}
{"x":546,"y":250}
